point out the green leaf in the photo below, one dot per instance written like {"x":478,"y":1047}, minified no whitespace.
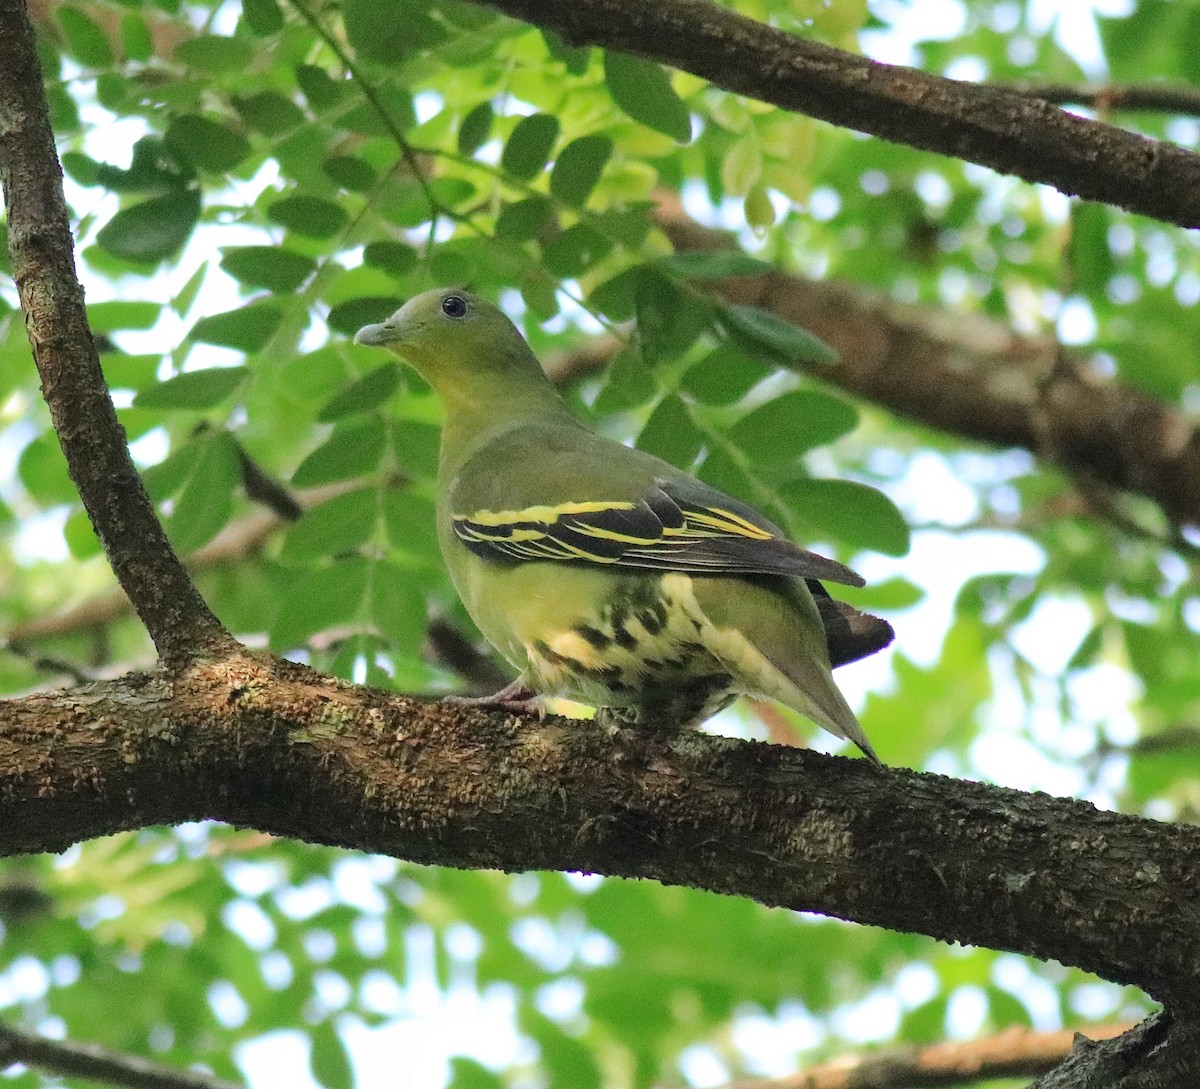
{"x":571,"y":252}
{"x":724,"y":376}
{"x":319,"y":599}
{"x":169,"y":475}
{"x":193,"y":389}
{"x":262,"y":16}
{"x":643,"y":90}
{"x":671,"y":433}
{"x":724,"y":473}
{"x":154,"y":168}
{"x":43,"y":470}
{"x":246,"y":329}
{"x":398,"y":609}
{"x":578,"y":168}
{"x":630,"y":382}
{"x":183,"y":300}
{"x":312,"y":217}
{"x":320,"y":89}
{"x":409,"y":521}
{"x":269,"y":112}
{"x":390,"y":32}
{"x":1089,"y":257}
{"x":767,"y":332}
{"x":354,"y":449}
{"x":109,"y":317}
{"x":847,"y":511}
{"x":204,"y":505}
{"x":206,"y":143}
{"x":86,"y":42}
{"x":528,"y":148}
{"x":475,"y":129}
{"x":350,"y":316}
{"x":574,"y":58}
{"x":80,"y":537}
{"x":351,"y":173}
{"x":712,"y":265}
{"x":892,"y":595}
{"x":792,"y":424}
{"x":274,"y":267}
{"x":341,"y":524}
{"x":394,"y":257}
{"x":215,"y":53}
{"x":758,"y":209}
{"x":615,"y":297}
{"x":367,"y":393}
{"x":122,"y":371}
{"x":136,"y":43}
{"x":152,"y":230}
{"x":522,"y":220}
{"x":669,"y":317}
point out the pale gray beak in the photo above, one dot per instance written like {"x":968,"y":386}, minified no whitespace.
{"x":375,"y":335}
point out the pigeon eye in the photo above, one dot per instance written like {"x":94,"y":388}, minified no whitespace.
{"x":454,"y":306}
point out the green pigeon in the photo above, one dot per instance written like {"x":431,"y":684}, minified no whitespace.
{"x":604,"y":574}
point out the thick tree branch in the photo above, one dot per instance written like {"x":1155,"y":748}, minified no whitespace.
{"x":1015,"y":1053}
{"x":99,"y":1064}
{"x":274,"y":746}
{"x":1009,"y":132}
{"x":93,"y":441}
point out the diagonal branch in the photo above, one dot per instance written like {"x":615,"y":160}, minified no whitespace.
{"x":92,"y":439}
{"x":99,"y":1064}
{"x":273,"y":746}
{"x":1007,"y":131}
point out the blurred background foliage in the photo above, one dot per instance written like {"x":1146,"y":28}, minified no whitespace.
{"x":254,"y":181}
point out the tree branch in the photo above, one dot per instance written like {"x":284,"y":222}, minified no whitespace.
{"x":99,"y":1064}
{"x":1009,"y":132}
{"x":1164,"y":97}
{"x":273,"y":746}
{"x":1163,"y":1052}
{"x":1014,"y":1053}
{"x":93,"y":441}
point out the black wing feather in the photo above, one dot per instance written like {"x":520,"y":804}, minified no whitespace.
{"x":676,"y":526}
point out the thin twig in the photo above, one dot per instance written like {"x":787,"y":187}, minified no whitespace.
{"x":1164,"y":97}
{"x":368,"y":91}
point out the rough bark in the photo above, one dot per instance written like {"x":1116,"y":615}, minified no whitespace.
{"x":1007,"y":131}
{"x":274,"y":746}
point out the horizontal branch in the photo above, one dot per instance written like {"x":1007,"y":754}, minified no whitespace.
{"x":1007,"y":131}
{"x":274,"y":746}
